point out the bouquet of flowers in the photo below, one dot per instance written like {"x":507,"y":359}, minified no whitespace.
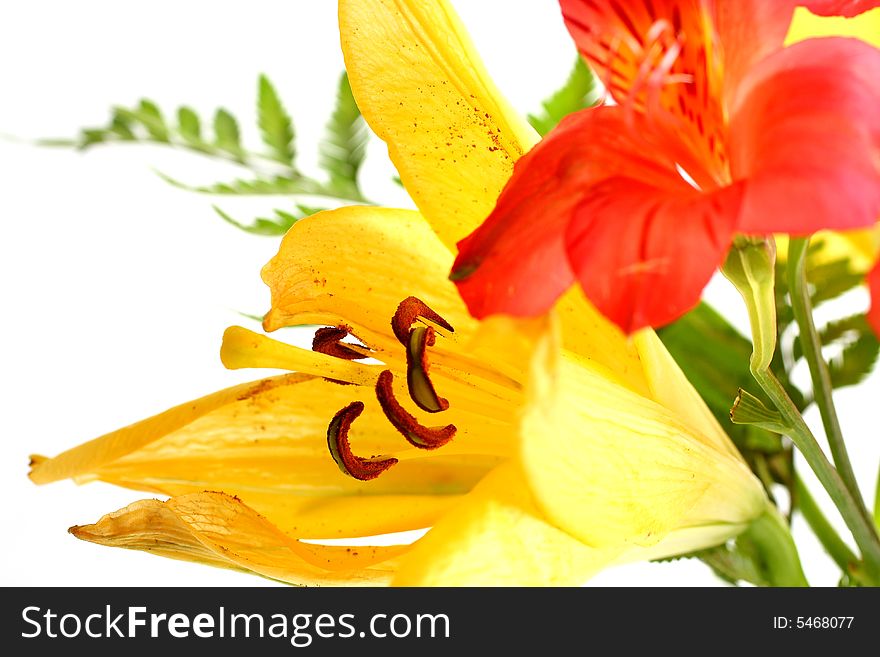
{"x":522,"y":367}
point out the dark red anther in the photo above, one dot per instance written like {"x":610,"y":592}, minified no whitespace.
{"x":355,"y":466}
{"x":416,"y":434}
{"x":421,"y":388}
{"x":408,"y":311}
{"x":327,"y":340}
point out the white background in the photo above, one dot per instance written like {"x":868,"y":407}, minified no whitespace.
{"x":116,"y":287}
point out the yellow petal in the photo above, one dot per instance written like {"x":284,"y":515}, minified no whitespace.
{"x":267,"y":443}
{"x":806,"y":25}
{"x":859,"y":248}
{"x":422,"y":88}
{"x":88,"y":456}
{"x":497,"y":537}
{"x":587,"y":333}
{"x":220,"y":530}
{"x":670,"y":388}
{"x":354,"y":266}
{"x":614,"y":468}
{"x":356,"y":515}
{"x":243,"y":349}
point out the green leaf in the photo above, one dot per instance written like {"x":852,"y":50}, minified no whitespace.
{"x":189,"y":125}
{"x":344,"y":146}
{"x":580,"y":91}
{"x":91,"y":136}
{"x":827,"y":280}
{"x":844,"y":331}
{"x":227,"y":136}
{"x":763,"y":555}
{"x":832,"y":279}
{"x":730,"y":563}
{"x":121,"y":127}
{"x":734,"y":563}
{"x":748,"y":409}
{"x":281,"y":185}
{"x":856,"y":361}
{"x":257,"y":318}
{"x":273,"y":227}
{"x":150,"y":116}
{"x":275,"y":124}
{"x":859,"y":349}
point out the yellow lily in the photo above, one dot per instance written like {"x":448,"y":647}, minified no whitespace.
{"x":564,"y":446}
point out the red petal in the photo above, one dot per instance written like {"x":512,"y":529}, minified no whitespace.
{"x":515,"y":262}
{"x":644,"y":254}
{"x":847,"y":8}
{"x":525,"y":254}
{"x":658,"y":57}
{"x":874,"y":286}
{"x":806,"y":134}
{"x":748,"y":31}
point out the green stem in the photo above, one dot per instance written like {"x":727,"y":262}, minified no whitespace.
{"x":800,"y":434}
{"x":247,"y":159}
{"x":828,"y":537}
{"x":877,"y":504}
{"x":801,"y":304}
{"x":750,"y":267}
{"x":771,"y":536}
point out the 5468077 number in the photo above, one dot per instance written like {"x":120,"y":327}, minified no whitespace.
{"x":813,"y":622}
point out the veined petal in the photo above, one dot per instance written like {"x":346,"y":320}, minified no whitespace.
{"x":587,"y":333}
{"x":684,"y":541}
{"x":91,"y":455}
{"x":806,"y":136}
{"x":807,"y":25}
{"x":267,"y":443}
{"x":874,"y":286}
{"x":670,"y":388}
{"x":354,"y":266}
{"x":220,"y":530}
{"x":422,"y":88}
{"x":667,"y":246}
{"x":659,"y":58}
{"x":498,"y":537}
{"x":615,"y":469}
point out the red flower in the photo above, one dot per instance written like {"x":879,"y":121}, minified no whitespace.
{"x":848,"y":8}
{"x":874,"y":285}
{"x":717,"y":129}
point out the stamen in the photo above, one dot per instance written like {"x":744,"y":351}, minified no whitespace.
{"x":355,"y":466}
{"x":421,"y":388}
{"x":408,"y":311}
{"x":327,"y":340}
{"x":416,"y":434}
